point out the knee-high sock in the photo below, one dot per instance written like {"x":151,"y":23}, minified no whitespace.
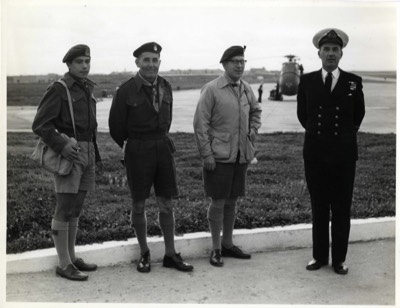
{"x":72,"y":231}
{"x":60,"y":238}
{"x":215,"y":215}
{"x":167,"y":225}
{"x":228,"y":224}
{"x":139,"y":223}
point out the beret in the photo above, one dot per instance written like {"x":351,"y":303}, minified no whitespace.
{"x":148,"y":47}
{"x":76,"y":51}
{"x":330,"y":35}
{"x":231,"y":52}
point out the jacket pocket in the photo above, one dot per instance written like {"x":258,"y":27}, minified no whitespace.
{"x":221,"y":145}
{"x":250,"y":149}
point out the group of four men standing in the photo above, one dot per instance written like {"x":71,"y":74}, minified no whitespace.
{"x":226,"y":123}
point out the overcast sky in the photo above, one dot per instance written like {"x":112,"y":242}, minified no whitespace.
{"x":194,"y":34}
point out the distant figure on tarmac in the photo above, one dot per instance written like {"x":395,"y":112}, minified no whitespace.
{"x":139,"y":121}
{"x":260,"y":92}
{"x":52,"y":119}
{"x":226,"y":123}
{"x":330,"y":107}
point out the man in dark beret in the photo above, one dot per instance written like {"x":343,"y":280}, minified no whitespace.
{"x":52,"y":120}
{"x":330,"y":107}
{"x":139,"y":121}
{"x":226,"y":122}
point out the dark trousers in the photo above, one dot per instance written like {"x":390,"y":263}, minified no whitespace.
{"x":331,"y":190}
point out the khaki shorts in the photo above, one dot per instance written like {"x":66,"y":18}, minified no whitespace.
{"x":82,"y":176}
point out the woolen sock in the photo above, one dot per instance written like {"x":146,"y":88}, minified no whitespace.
{"x":139,"y":223}
{"x":60,"y":238}
{"x":167,"y":225}
{"x":215,"y":216}
{"x":72,"y":231}
{"x":228,"y":224}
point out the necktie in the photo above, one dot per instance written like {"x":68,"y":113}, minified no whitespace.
{"x":328,"y":82}
{"x":155,"y":100}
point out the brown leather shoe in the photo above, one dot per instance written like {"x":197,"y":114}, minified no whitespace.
{"x":144,"y":265}
{"x":216,"y":258}
{"x":83,"y":266}
{"x":314,"y":265}
{"x":71,"y":273}
{"x":177,"y":262}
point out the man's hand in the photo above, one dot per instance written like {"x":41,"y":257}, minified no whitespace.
{"x":70,"y":151}
{"x":209,"y":163}
{"x":252,"y":135}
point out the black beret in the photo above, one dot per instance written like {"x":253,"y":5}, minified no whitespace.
{"x":231,"y":52}
{"x":148,"y":47}
{"x":76,"y":51}
{"x":330,"y":35}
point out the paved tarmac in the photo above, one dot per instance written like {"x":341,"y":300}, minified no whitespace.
{"x":274,"y":277}
{"x":380,"y":100}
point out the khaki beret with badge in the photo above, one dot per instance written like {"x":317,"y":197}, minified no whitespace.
{"x":330,"y":35}
{"x":76,"y":51}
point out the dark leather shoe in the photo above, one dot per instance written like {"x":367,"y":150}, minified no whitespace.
{"x":340,"y":269}
{"x":144,"y":265}
{"x":177,"y":262}
{"x":216,"y":258}
{"x":314,"y":265}
{"x":83,"y":266}
{"x":71,"y":273}
{"x":234,"y":252}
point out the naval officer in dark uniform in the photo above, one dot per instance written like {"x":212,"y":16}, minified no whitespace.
{"x":330,"y":106}
{"x":140,"y":118}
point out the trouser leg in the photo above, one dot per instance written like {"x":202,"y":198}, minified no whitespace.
{"x":318,"y":186}
{"x":341,"y":209}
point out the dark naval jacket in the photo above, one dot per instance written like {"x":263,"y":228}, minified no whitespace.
{"x":331,"y":120}
{"x":133,"y":114}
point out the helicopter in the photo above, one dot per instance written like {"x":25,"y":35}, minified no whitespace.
{"x":289,"y":79}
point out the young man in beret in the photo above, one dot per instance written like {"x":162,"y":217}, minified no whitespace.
{"x":226,"y":122}
{"x":330,"y":106}
{"x":52,"y":119}
{"x":139,"y":121}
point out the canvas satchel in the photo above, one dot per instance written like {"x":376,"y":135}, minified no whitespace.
{"x":47,"y":157}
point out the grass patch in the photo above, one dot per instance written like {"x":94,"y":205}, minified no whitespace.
{"x":277,"y":192}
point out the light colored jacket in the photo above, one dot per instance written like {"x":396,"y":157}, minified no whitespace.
{"x":224,"y":119}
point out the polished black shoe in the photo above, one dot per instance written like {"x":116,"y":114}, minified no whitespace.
{"x":177,"y":262}
{"x":216,"y":258}
{"x":83,"y":266}
{"x":71,"y":273}
{"x":234,"y":252}
{"x":340,"y":269}
{"x":144,"y":265}
{"x":314,"y":265}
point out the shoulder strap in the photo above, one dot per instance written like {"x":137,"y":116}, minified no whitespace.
{"x":71,"y":110}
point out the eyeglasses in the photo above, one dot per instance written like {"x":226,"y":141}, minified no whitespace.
{"x":237,"y":62}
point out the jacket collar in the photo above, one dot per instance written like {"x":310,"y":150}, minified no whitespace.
{"x":223,"y":81}
{"x":70,"y":80}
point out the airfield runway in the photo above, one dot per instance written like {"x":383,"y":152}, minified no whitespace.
{"x":380,"y":99}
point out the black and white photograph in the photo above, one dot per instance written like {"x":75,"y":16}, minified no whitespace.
{"x":194,"y":152}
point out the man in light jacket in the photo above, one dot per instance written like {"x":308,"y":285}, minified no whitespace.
{"x":226,"y":122}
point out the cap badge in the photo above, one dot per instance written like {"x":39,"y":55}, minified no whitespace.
{"x":155,"y":48}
